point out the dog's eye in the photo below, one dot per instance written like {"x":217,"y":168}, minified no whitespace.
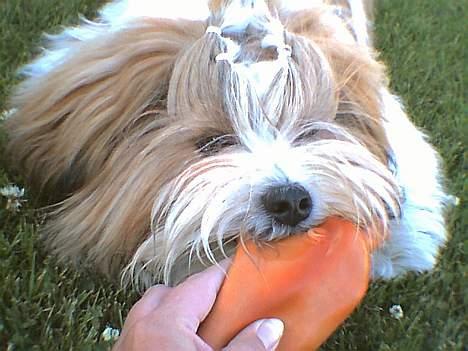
{"x":215,"y":143}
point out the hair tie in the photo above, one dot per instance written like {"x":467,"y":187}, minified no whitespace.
{"x":284,"y":51}
{"x":213,"y":29}
{"x":224,"y":56}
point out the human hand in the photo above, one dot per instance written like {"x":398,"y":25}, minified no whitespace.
{"x":168,"y":318}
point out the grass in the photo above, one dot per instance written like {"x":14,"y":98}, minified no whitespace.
{"x":45,"y":306}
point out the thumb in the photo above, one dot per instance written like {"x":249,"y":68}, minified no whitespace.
{"x":262,"y":335}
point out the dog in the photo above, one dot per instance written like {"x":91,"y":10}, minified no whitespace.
{"x":166,"y":132}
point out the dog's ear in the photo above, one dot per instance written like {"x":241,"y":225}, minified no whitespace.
{"x":355,"y":15}
{"x":71,"y":116}
{"x":358,"y":78}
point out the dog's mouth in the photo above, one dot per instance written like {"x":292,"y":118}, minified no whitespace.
{"x":279,"y":231}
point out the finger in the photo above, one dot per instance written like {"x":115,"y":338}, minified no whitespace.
{"x":259,"y":336}
{"x":154,"y":295}
{"x":148,"y":303}
{"x":195,"y":297}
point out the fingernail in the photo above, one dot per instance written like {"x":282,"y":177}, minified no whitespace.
{"x":270,"y":332}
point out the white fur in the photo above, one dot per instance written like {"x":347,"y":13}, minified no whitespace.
{"x":415,"y":239}
{"x":359,"y":22}
{"x":113,"y":17}
{"x":218,"y":197}
{"x":299,"y":5}
{"x":121,"y":11}
{"x":237,"y":17}
{"x":239,"y":14}
{"x":261,"y":74}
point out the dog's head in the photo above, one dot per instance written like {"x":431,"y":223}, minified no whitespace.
{"x":259,"y":122}
{"x":273,"y":123}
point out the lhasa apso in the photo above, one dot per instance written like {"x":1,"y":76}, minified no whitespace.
{"x":167,"y":130}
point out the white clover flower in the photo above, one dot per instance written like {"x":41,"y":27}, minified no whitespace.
{"x":396,"y":311}
{"x":12,"y":191}
{"x":7,"y":114}
{"x":110,"y":334}
{"x":14,"y":195}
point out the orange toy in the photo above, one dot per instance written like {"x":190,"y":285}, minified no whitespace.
{"x":311,"y":281}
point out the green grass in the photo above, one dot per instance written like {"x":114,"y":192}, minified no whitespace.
{"x":45,"y":306}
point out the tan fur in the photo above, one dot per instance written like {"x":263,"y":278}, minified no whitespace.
{"x":74,"y":117}
{"x":358,"y":77}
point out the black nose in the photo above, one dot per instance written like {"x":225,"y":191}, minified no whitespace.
{"x":288,"y":204}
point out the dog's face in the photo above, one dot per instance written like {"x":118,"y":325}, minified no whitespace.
{"x":269,"y":133}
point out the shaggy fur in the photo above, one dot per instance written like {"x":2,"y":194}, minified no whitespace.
{"x":159,"y":131}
